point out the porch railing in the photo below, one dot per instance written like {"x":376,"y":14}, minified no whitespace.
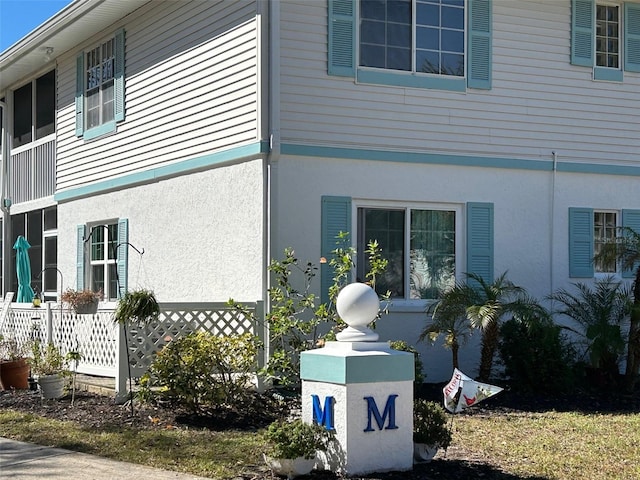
{"x":102,"y":343}
{"x":33,"y":172}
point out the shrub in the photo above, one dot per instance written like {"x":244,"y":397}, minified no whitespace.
{"x":430,"y":424}
{"x":201,"y":371}
{"x":537,"y":356}
{"x":405,"y":347}
{"x":295,"y":438}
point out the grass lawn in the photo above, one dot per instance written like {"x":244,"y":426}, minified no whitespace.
{"x":550,"y":445}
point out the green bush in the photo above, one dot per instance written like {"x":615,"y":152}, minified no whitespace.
{"x":537,"y":356}
{"x":295,"y":438}
{"x":201,"y":371}
{"x":430,"y":424}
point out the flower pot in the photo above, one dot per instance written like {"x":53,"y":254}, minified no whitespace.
{"x":423,"y":453}
{"x":51,"y":386}
{"x":87,"y":308}
{"x":290,"y":467}
{"x":14,"y":374}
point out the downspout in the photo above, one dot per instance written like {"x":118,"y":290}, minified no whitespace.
{"x":4,"y":204}
{"x":552,"y":220}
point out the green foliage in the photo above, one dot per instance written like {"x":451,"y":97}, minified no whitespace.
{"x":201,"y":370}
{"x":405,"y":347}
{"x":537,"y":356}
{"x":11,"y":349}
{"x":138,"y":306}
{"x":297,"y":320}
{"x":295,"y":438}
{"x":598,"y":313}
{"x":46,"y":360}
{"x":430,"y":424}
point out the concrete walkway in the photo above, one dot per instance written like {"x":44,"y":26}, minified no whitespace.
{"x":22,"y":461}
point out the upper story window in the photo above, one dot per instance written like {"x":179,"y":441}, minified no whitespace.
{"x":100,"y":88}
{"x":34,"y":108}
{"x":606,"y":37}
{"x":440,"y":44}
{"x":421,"y":36}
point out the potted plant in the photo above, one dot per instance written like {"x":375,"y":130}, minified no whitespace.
{"x":292,"y":446}
{"x":82,"y":301}
{"x":14,"y":369}
{"x":430,"y":430}
{"x":50,"y":368}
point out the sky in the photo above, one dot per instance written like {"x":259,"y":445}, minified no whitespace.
{"x":20,"y":17}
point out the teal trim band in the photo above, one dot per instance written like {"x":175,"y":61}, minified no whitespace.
{"x":413,"y":157}
{"x":457,"y":160}
{"x":103,"y":129}
{"x":343,"y":370}
{"x":174,"y":169}
{"x":607,"y":74}
{"x":402,"y":79}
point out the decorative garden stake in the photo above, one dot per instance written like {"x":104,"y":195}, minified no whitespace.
{"x":362,"y":390}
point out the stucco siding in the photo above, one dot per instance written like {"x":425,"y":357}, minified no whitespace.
{"x":191,"y":90}
{"x":538,"y":102}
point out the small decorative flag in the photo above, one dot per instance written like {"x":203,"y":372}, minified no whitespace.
{"x":462,"y":392}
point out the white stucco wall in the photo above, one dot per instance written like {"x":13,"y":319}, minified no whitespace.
{"x":202,"y":233}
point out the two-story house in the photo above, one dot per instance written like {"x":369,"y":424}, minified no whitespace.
{"x":464,"y":135}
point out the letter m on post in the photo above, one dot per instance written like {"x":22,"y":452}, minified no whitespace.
{"x":389,"y":412}
{"x":323,"y":415}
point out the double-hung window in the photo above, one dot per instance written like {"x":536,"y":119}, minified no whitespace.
{"x":605,"y":229}
{"x":442,"y":44}
{"x":100,"y":88}
{"x":605,"y":36}
{"x":419,"y":245}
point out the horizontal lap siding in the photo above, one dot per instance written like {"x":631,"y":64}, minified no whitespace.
{"x":538,"y":101}
{"x":191,"y":90}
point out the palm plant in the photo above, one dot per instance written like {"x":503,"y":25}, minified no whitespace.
{"x":483,"y":304}
{"x":599,"y":312}
{"x":625,"y":248}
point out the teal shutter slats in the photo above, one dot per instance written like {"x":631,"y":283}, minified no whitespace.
{"x":581,"y":242}
{"x":80,"y":232}
{"x":119,"y":77}
{"x":336,"y":218}
{"x":631,"y":219}
{"x":122,"y":259}
{"x":582,"y":18}
{"x":80,"y":94}
{"x":479,"y":58}
{"x":341,"y":48}
{"x":632,"y":37}
{"x":480,"y":240}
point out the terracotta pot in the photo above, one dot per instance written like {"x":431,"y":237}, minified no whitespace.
{"x":14,"y":374}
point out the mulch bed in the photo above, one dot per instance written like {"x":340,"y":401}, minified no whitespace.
{"x":101,"y":412}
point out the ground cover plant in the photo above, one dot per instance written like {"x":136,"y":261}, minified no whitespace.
{"x":512,"y":436}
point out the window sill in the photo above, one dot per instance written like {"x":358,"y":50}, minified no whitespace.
{"x":102,"y":130}
{"x":607,"y":74}
{"x":406,"y":79}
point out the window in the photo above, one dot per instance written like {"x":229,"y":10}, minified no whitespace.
{"x":435,"y":45}
{"x":589,"y":229}
{"x":34,"y":123}
{"x":102,"y":260}
{"x":605,"y":36}
{"x":100,"y":88}
{"x":420,"y":246}
{"x":605,"y":229}
{"x":443,"y":44}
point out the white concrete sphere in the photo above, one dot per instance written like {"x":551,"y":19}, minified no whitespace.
{"x":357,"y":304}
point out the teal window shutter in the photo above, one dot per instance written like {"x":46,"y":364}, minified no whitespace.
{"x":479,"y":58}
{"x":336,"y":218}
{"x":480,"y":240}
{"x":631,"y":219}
{"x":80,"y":233}
{"x":341,"y":49}
{"x":582,"y":28}
{"x":119,"y":77}
{"x":80,"y":94}
{"x":122,"y":259}
{"x":581,"y":242}
{"x":632,"y":37}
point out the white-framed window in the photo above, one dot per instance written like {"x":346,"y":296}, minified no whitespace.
{"x":605,"y":229}
{"x":417,"y":36}
{"x":102,"y":259}
{"x":99,"y":84}
{"x":608,"y":30}
{"x":420,"y":242}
